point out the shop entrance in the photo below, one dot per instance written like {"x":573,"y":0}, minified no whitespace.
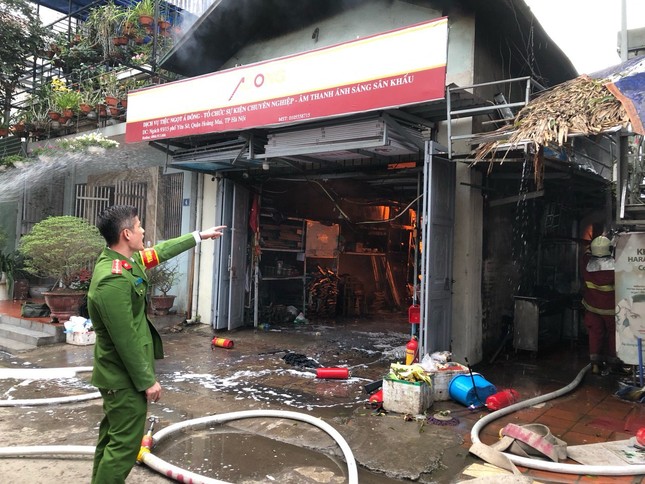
{"x":322,"y":245}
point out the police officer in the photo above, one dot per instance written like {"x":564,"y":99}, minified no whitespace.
{"x":126,"y":342}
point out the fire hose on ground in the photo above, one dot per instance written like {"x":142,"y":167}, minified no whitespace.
{"x":490,"y":455}
{"x":152,"y":461}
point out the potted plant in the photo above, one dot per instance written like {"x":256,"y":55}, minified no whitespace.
{"x":90,"y":97}
{"x":68,"y":101}
{"x":62,"y":248}
{"x":104,"y":22}
{"x":145,"y":12}
{"x":110,"y":88}
{"x":161,"y":278}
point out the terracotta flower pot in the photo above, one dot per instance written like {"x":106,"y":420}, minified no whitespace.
{"x":85,"y":108}
{"x":146,"y":20}
{"x":162,"y":304}
{"x":19,"y":127}
{"x":111,"y":100}
{"x":4,"y":132}
{"x":120,"y":40}
{"x":64,"y":304}
{"x":53,"y":115}
{"x":68,"y":113}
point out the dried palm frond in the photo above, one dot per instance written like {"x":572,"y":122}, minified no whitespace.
{"x":581,"y":106}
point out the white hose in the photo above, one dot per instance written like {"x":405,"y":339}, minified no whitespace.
{"x":30,"y":402}
{"x":45,"y":374}
{"x":596,"y":470}
{"x":41,"y":373}
{"x":226,"y":417}
{"x":21,"y":451}
{"x":183,"y":475}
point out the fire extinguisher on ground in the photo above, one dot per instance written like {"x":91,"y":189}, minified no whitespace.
{"x":412,"y":351}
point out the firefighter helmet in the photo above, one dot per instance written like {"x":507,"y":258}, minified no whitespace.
{"x":601,"y":246}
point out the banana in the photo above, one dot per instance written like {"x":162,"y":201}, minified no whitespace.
{"x":411,"y":373}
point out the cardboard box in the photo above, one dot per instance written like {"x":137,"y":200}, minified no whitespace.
{"x":406,"y":397}
{"x":81,"y":339}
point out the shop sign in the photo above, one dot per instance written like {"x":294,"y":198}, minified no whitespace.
{"x":630,"y":295}
{"x":397,"y":68}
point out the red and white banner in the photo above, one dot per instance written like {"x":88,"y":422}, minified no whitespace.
{"x":397,"y":68}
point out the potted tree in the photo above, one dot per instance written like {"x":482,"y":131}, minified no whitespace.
{"x":62,"y":248}
{"x":161,"y":278}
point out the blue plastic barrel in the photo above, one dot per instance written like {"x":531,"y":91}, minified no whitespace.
{"x":461,"y":389}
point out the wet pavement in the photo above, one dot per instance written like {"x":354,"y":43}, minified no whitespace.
{"x":199,"y":381}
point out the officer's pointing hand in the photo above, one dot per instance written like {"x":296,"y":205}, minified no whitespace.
{"x":213,"y":232}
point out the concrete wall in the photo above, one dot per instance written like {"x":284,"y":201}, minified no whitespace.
{"x":367,"y":19}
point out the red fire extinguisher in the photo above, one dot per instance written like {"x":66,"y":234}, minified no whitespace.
{"x":222,"y":343}
{"x":412,"y":351}
{"x":502,"y":399}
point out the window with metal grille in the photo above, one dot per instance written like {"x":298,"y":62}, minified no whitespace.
{"x":91,"y":200}
{"x":172,"y":189}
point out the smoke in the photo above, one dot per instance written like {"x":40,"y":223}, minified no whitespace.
{"x":47,"y":167}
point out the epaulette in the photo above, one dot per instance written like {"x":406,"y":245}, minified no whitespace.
{"x":119,"y":265}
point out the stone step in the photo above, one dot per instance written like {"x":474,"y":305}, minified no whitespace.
{"x":25,"y":335}
{"x":56,"y":330}
{"x":12,"y":346}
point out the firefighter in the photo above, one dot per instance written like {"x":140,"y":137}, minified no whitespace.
{"x":598,"y":301}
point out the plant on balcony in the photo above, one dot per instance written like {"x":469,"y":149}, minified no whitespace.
{"x":68,"y":101}
{"x":110,"y":87}
{"x":21,"y":35}
{"x":90,"y":96}
{"x":91,"y":142}
{"x":86,"y":142}
{"x":144,"y":11}
{"x":12,"y":161}
{"x":104,"y":22}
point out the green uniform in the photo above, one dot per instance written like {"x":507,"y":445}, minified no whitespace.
{"x":126,"y":346}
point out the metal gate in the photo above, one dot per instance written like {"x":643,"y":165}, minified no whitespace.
{"x":436,"y":259}
{"x":230,"y":264}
